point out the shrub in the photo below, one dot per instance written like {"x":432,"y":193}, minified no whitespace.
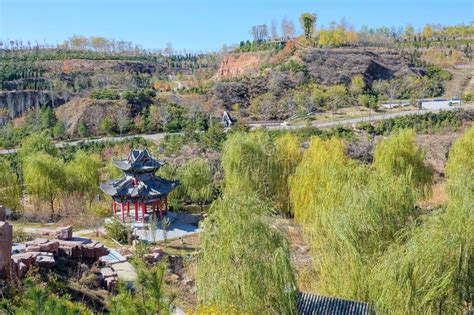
{"x":118,"y":231}
{"x":104,"y":94}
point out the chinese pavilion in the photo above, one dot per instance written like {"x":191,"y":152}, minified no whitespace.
{"x":140,"y":187}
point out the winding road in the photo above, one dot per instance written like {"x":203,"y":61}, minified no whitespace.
{"x":156,"y":137}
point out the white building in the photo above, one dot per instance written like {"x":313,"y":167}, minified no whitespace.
{"x":439,"y":104}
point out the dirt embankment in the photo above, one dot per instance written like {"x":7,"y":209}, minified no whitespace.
{"x":91,"y":112}
{"x":235,"y":65}
{"x":327,"y":66}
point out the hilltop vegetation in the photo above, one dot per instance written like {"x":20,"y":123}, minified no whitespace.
{"x":276,"y":75}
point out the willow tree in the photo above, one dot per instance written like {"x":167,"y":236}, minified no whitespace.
{"x":44,"y":178}
{"x":350,"y":215}
{"x":245,"y":263}
{"x":197,"y":179}
{"x":247,"y":160}
{"x":287,"y":156}
{"x":321,"y":165}
{"x":10,"y":189}
{"x":400,"y":155}
{"x":430,"y":269}
{"x":36,"y":143}
{"x":83,"y":175}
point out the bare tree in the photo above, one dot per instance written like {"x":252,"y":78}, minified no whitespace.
{"x":274,"y":30}
{"x":122,"y":118}
{"x":287,"y":28}
{"x":259,"y":32}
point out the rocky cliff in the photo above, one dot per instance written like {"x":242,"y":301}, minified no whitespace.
{"x":18,"y":102}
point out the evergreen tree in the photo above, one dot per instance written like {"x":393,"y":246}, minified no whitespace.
{"x":58,"y":130}
{"x":47,"y":117}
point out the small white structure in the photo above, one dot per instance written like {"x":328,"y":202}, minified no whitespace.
{"x":439,"y":104}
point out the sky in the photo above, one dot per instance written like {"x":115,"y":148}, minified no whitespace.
{"x":205,"y":25}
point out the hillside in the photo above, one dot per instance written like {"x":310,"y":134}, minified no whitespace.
{"x":274,"y":83}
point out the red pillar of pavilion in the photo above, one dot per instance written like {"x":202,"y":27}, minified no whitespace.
{"x":122,"y":211}
{"x":143,"y":212}
{"x":160,"y":208}
{"x":114,"y":207}
{"x":128,"y":208}
{"x":136,"y":210}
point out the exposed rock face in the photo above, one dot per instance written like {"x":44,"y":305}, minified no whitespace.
{"x":82,"y":249}
{"x":6,"y":233}
{"x":27,"y":259}
{"x":234,"y":65}
{"x":19,"y":102}
{"x":90,"y":111}
{"x":334,"y":66}
{"x":42,"y":252}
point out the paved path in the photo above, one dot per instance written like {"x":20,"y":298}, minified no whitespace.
{"x":268,"y":125}
{"x":153,"y":137}
{"x":183,"y":225}
{"x":351,"y":121}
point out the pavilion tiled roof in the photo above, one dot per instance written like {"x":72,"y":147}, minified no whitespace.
{"x":308,"y":304}
{"x":139,"y":162}
{"x":140,"y":182}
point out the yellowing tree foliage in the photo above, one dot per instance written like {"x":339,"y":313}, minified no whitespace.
{"x":245,"y":263}
{"x":350,"y":215}
{"x":44,"y":177}
{"x":288,"y":156}
{"x":10,"y":189}
{"x":254,"y":163}
{"x":430,"y":269}
{"x":400,"y":155}
{"x":197,"y":180}
{"x":83,"y":175}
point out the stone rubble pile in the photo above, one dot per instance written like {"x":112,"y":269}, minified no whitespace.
{"x":156,"y":255}
{"x":109,"y":277}
{"x":43,"y":252}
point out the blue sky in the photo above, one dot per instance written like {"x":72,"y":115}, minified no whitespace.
{"x":203,"y":25}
